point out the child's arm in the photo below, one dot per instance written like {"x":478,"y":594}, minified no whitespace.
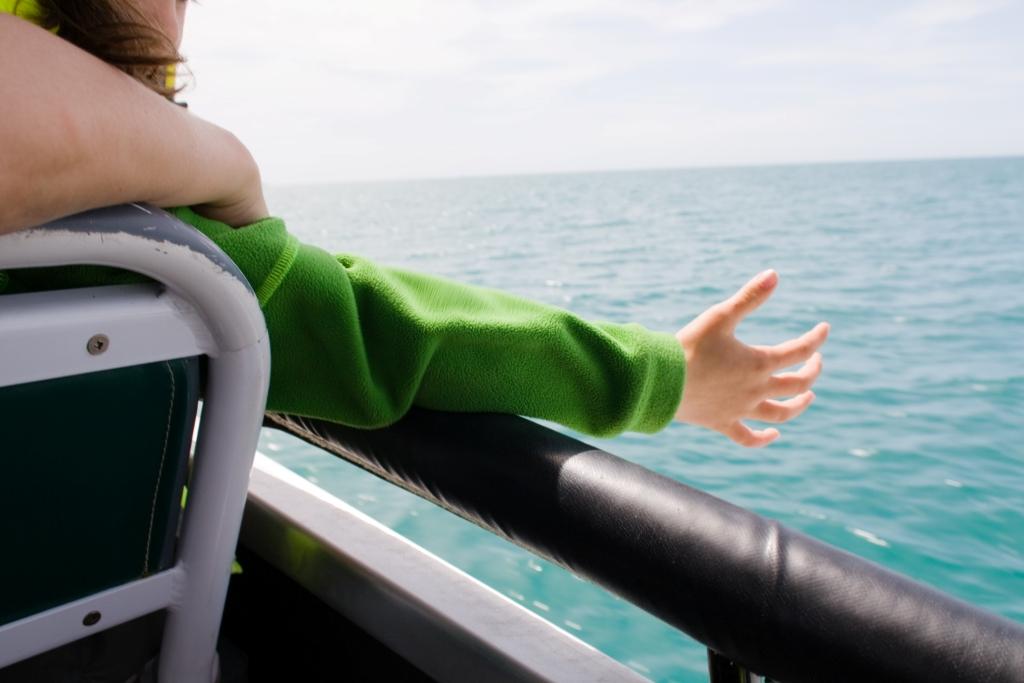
{"x":359,"y":343}
{"x":727,"y":381}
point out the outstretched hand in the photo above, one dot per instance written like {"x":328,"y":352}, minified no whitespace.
{"x":728,"y":382}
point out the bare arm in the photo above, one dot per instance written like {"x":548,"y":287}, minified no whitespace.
{"x":76,"y":134}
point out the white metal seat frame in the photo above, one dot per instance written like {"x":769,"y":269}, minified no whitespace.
{"x":201,"y":306}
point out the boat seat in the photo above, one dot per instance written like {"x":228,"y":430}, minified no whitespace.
{"x":99,"y":393}
{"x":93,"y":478}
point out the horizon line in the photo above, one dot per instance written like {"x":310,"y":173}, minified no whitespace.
{"x":643,"y":169}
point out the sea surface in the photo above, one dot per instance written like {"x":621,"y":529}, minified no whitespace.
{"x":912,"y":455}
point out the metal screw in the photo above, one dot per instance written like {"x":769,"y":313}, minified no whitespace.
{"x":91,"y":619}
{"x":97,"y":344}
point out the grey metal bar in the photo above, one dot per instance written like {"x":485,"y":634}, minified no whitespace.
{"x":149,"y":241}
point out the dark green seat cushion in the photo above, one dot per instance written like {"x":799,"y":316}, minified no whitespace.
{"x":91,"y":474}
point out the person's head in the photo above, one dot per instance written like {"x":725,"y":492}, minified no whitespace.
{"x":140,"y":37}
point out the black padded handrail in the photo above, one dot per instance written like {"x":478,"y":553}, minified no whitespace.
{"x":777,"y":601}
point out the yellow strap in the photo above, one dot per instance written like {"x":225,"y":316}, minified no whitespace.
{"x":170,"y":76}
{"x":26,"y":9}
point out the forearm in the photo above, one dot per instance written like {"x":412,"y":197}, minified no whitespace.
{"x":77,"y":134}
{"x":467,"y":348}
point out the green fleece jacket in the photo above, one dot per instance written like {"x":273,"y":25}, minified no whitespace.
{"x":357,"y":343}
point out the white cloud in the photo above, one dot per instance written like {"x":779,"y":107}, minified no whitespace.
{"x":903,"y":44}
{"x":440,"y":37}
{"x":938,"y":12}
{"x":353,"y":89}
{"x":664,"y":15}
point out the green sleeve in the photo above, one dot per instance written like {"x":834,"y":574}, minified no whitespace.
{"x":358,"y":343}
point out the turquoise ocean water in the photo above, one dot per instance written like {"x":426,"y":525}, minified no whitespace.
{"x":913,"y":454}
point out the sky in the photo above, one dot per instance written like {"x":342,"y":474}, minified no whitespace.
{"x":343,"y":90}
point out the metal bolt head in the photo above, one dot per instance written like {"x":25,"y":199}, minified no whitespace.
{"x":97,"y":344}
{"x":91,"y":619}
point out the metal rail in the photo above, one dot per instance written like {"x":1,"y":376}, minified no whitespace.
{"x":770,"y":599}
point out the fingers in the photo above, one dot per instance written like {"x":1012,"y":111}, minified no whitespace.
{"x":782,"y":411}
{"x":768,"y":411}
{"x":792,"y":383}
{"x":797,"y":350}
{"x":748,"y":298}
{"x":751,"y":438}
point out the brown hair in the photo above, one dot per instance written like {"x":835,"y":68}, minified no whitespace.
{"x":116,"y":32}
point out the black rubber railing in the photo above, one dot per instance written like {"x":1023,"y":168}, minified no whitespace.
{"x":763,"y":597}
